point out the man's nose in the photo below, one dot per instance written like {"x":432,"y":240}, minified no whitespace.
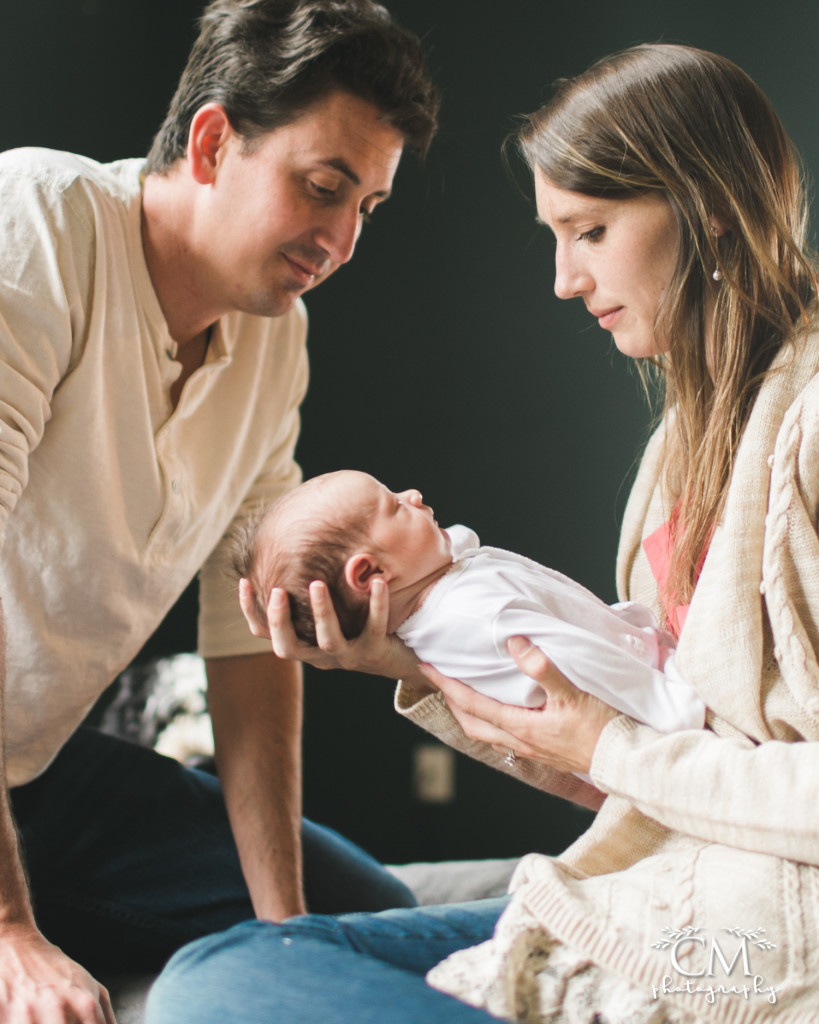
{"x":339,"y":234}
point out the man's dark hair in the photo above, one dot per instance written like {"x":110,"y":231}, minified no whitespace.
{"x":267,"y":61}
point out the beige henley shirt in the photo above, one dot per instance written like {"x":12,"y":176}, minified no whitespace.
{"x":110,"y":502}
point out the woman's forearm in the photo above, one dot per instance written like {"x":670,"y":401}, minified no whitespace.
{"x":754,"y":797}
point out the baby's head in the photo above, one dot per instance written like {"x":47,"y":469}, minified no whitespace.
{"x":345,"y":529}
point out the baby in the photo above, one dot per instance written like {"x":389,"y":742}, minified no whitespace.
{"x":456,"y":603}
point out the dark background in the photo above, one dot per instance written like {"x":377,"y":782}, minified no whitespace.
{"x":441,"y":358}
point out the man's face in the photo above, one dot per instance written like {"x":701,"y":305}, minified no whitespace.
{"x":280,"y":218}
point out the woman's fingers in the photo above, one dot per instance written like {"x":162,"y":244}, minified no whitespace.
{"x":534,"y":663}
{"x":562,"y":732}
{"x":481,"y":718}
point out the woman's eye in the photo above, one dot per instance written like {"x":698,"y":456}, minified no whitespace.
{"x":321,"y":190}
{"x":592,"y":235}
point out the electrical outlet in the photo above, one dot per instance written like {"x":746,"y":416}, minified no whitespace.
{"x":433,"y":773}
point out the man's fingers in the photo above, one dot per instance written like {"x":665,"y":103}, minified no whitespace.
{"x":379,"y":609}
{"x":90,"y":1010}
{"x":247,"y":602}
{"x":328,"y":632}
{"x":282,"y":634}
{"x":107,"y":1008}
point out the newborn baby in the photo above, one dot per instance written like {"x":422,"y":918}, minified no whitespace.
{"x":456,"y":603}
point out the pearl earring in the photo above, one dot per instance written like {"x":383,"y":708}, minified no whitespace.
{"x":717,"y":275}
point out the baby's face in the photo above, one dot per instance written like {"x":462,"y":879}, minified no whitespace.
{"x":402,"y":529}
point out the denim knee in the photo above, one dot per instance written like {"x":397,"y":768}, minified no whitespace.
{"x":202,"y":974}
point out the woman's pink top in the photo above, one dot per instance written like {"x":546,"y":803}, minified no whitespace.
{"x":659,"y":547}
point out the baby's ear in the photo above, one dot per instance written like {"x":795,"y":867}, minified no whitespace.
{"x":359,"y":571}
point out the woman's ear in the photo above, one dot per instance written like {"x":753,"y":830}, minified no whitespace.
{"x":359,"y":570}
{"x":719,"y":227}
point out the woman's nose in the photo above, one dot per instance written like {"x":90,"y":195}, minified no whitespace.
{"x":571,"y":277}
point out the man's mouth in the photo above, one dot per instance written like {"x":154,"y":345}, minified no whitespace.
{"x":305,"y":271}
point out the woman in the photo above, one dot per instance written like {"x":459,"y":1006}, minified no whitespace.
{"x":680,"y":219}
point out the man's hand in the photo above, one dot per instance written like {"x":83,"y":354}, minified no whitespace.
{"x":39,"y":984}
{"x":562,"y":733}
{"x":374,"y":652}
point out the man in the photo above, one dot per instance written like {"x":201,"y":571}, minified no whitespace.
{"x":152,"y":363}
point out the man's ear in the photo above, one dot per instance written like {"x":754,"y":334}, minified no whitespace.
{"x":210,"y":130}
{"x":359,"y":571}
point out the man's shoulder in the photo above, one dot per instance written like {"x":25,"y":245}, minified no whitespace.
{"x":60,"y":173}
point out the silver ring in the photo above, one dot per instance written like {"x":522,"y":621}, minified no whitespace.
{"x":511,"y":758}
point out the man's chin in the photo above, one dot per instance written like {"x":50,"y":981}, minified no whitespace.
{"x":271,"y":305}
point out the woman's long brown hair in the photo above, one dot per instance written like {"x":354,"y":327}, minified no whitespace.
{"x":693,"y":126}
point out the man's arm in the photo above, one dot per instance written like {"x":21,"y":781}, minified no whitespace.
{"x":37,"y":980}
{"x":15,"y":906}
{"x":255,"y":704}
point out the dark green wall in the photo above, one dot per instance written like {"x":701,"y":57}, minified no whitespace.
{"x":441,"y":358}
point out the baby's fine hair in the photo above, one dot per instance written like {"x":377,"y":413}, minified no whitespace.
{"x":275,"y":548}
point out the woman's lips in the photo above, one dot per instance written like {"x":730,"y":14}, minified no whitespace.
{"x":609,"y":317}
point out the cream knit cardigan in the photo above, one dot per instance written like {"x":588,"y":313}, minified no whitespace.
{"x":709,"y":830}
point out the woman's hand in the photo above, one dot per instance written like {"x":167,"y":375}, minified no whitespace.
{"x":375,"y":651}
{"x":561,"y":733}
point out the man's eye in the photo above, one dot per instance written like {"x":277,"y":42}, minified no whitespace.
{"x":321,"y":190}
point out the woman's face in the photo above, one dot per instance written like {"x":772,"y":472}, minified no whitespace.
{"x":617,"y":255}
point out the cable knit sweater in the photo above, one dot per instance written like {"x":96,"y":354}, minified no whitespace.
{"x":707,"y":838}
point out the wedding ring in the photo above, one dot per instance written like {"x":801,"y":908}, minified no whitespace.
{"x":511,"y":758}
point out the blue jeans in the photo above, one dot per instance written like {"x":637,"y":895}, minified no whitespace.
{"x":354,"y":969}
{"x":130,"y":856}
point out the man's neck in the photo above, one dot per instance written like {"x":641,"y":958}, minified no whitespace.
{"x":167,"y":213}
